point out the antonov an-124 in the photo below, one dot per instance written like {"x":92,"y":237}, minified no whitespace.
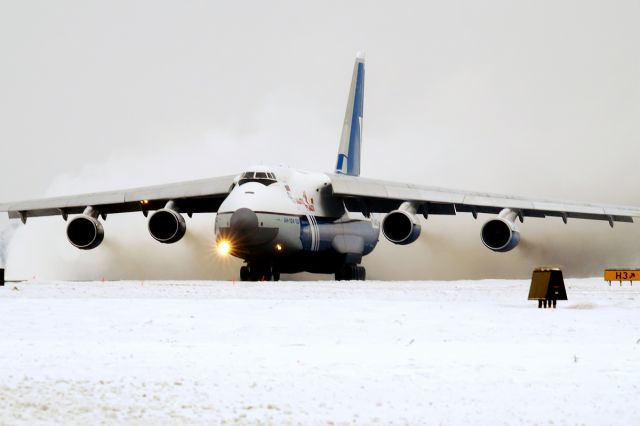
{"x":282,"y":220}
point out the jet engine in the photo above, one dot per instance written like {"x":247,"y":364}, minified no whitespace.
{"x":85,"y":231}
{"x":500,"y":234}
{"x":167,"y":225}
{"x":402,"y":226}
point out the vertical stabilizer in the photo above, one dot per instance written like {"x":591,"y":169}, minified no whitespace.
{"x":350,"y":141}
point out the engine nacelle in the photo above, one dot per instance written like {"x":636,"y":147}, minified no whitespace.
{"x":167,"y":226}
{"x":402,"y":226}
{"x":500,"y":234}
{"x":85,"y":232}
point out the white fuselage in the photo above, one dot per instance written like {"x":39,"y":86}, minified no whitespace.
{"x":281,"y":212}
{"x":294,"y":192}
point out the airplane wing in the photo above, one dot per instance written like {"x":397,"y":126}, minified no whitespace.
{"x":197,"y":196}
{"x":377,"y":196}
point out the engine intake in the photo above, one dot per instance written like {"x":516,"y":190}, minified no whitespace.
{"x":402,"y":226}
{"x":500,"y":234}
{"x":85,"y":232}
{"x":167,"y":226}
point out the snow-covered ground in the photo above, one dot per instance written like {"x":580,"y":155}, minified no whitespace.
{"x":463,"y":352}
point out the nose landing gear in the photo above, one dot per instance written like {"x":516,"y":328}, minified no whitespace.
{"x":259,"y":272}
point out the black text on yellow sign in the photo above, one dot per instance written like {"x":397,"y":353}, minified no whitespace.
{"x":622,"y":275}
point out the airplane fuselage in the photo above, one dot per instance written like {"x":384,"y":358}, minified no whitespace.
{"x":290,"y":218}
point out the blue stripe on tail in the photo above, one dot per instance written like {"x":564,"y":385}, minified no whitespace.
{"x":350,"y":144}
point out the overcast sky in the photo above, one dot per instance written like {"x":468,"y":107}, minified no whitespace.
{"x":537,"y":98}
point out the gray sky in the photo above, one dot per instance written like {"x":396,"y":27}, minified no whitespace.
{"x":533,"y":98}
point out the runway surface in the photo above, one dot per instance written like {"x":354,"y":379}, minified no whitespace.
{"x":461,"y":352}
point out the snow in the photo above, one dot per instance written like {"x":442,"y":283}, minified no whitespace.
{"x":458,"y":352}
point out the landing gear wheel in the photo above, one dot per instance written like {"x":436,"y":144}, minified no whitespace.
{"x":258,"y":272}
{"x":265,"y":275}
{"x":361,"y":273}
{"x":342,"y":273}
{"x":256,"y":275}
{"x":244,"y":273}
{"x":351,"y":272}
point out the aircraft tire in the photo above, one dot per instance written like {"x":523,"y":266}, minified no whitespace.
{"x":351,"y":273}
{"x":260,"y":273}
{"x":244,"y":273}
{"x":361,"y":273}
{"x":341,"y":273}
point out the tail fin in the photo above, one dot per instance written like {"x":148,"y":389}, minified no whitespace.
{"x":350,"y":141}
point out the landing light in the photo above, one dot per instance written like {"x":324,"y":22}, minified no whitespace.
{"x":224,"y":248}
{"x":279,"y":247}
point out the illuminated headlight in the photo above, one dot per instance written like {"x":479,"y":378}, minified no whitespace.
{"x":223,"y":247}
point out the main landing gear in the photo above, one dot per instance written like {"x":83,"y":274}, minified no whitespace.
{"x":259,"y":272}
{"x":351,"y":272}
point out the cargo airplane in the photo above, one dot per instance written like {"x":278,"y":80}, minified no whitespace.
{"x":281,"y":220}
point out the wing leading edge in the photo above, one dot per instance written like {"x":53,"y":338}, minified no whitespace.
{"x":197,"y":196}
{"x":376,"y":196}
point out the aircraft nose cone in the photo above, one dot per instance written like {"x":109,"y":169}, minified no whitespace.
{"x":246,"y":232}
{"x":243,"y":221}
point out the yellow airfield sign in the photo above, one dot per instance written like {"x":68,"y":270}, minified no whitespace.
{"x":622,"y":275}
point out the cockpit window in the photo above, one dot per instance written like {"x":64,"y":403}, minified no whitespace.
{"x":265,"y":178}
